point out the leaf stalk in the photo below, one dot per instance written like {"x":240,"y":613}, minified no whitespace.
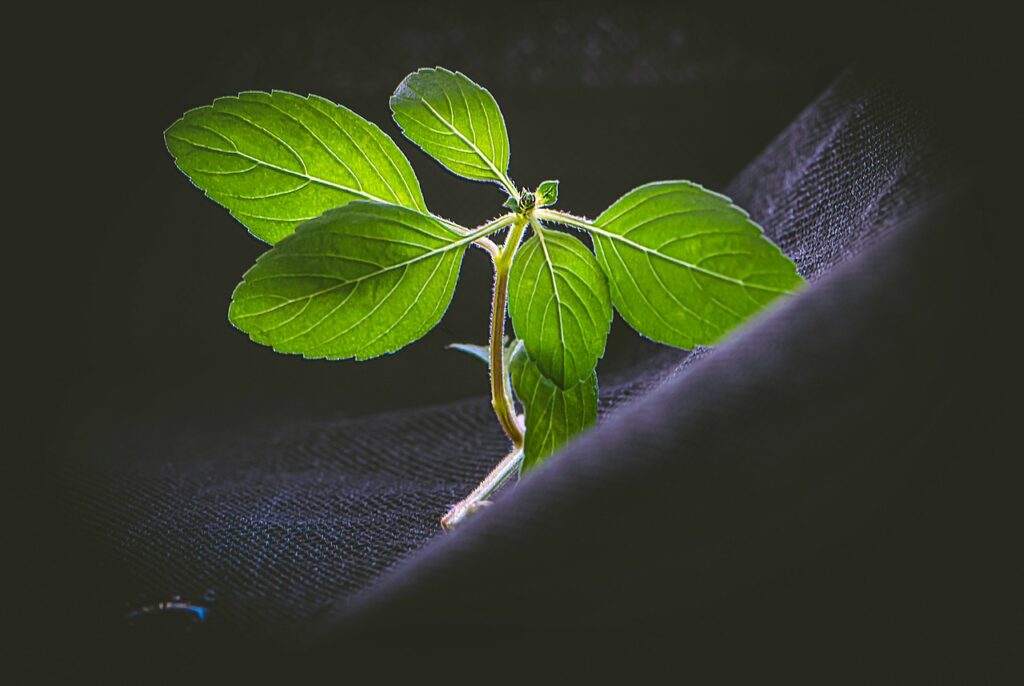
{"x":477,"y":500}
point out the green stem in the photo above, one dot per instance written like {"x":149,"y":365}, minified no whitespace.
{"x":565,"y":218}
{"x":509,"y":186}
{"x":501,"y":391}
{"x":483,"y":242}
{"x":478,"y":498}
{"x":501,"y":395}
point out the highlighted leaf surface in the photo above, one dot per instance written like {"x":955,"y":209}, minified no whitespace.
{"x":553,"y":415}
{"x":560,"y":306}
{"x":278,"y":159}
{"x":455,"y":121}
{"x":685,"y":265}
{"x":360,"y":281}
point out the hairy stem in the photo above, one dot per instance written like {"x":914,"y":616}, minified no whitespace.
{"x":488,"y":245}
{"x":501,"y":395}
{"x":478,"y":498}
{"x":565,"y":218}
{"x":501,"y":392}
{"x":482,"y":242}
{"x":509,"y":186}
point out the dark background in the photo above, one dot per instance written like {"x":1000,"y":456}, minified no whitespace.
{"x":120,"y":271}
{"x":602,"y":98}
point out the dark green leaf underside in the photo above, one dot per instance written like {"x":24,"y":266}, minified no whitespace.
{"x":278,"y":159}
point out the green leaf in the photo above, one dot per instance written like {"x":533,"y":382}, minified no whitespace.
{"x":527,"y":200}
{"x":456,"y":122}
{"x":560,"y":305}
{"x":483,"y":352}
{"x":358,"y":281}
{"x":547,"y":193}
{"x":480,"y":352}
{"x":278,"y":159}
{"x":553,"y":415}
{"x":685,"y":265}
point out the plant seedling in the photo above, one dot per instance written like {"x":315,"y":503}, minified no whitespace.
{"x":360,"y":267}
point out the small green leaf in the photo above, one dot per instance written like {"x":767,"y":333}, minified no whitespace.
{"x":275,"y":160}
{"x":359,"y":281}
{"x":685,"y":265}
{"x":560,"y":305}
{"x":527,"y":200}
{"x":481,"y":352}
{"x":553,"y":415}
{"x":547,"y":193}
{"x":455,"y":121}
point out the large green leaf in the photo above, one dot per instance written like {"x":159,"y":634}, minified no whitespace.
{"x":358,"y":281}
{"x":560,"y":306}
{"x":685,"y":265}
{"x":455,"y":121}
{"x":278,"y":159}
{"x":553,"y":415}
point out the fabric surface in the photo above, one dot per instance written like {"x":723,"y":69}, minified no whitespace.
{"x":856,"y":166}
{"x":818,"y":487}
{"x":824,"y":462}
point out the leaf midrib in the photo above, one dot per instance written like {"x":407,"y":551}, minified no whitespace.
{"x":593,"y":228}
{"x":480,"y":153}
{"x":451,"y":226}
{"x":283,"y":170}
{"x":465,"y":240}
{"x":558,"y":298}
